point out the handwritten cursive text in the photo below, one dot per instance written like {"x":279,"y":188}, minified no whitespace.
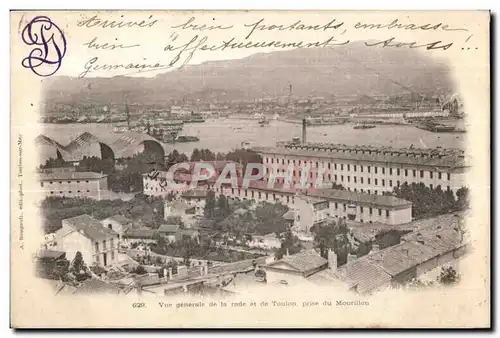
{"x":414,"y":44}
{"x":296,"y":26}
{"x":189,"y":24}
{"x":92,"y":44}
{"x":395,"y":24}
{"x":94,"y":21}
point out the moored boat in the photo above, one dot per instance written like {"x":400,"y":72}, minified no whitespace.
{"x":364,"y":126}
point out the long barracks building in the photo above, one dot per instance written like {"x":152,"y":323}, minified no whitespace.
{"x":342,"y":204}
{"x":367,"y":169}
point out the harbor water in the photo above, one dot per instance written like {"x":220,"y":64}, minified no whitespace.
{"x":223,"y":135}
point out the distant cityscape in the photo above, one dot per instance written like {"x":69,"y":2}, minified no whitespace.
{"x":384,"y":217}
{"x":126,"y":208}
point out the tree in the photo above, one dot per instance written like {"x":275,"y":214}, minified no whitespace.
{"x":448,"y":276}
{"x":387,"y":238}
{"x":333,"y":236}
{"x":175,"y":157}
{"x":290,"y":244}
{"x":195,"y":155}
{"x":430,"y":202}
{"x":158,"y":260}
{"x":202,"y":155}
{"x":172,"y":264}
{"x":462,"y":198}
{"x":244,"y":157}
{"x":78,"y":266}
{"x":55,"y":163}
{"x":324,"y":239}
{"x":210,"y":205}
{"x":269,"y":218}
{"x":140,"y":270}
{"x":337,"y":186}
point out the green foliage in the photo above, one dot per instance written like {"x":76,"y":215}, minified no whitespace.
{"x":387,"y":238}
{"x":175,"y":157}
{"x":448,"y":276}
{"x":96,"y":164}
{"x":243,"y":157}
{"x":170,"y":264}
{"x":173,"y":265}
{"x":139,"y":270}
{"x":266,"y":218}
{"x":290,"y":244}
{"x":333,"y":236}
{"x":429,"y":202}
{"x":147,"y":211}
{"x":210,"y":205}
{"x":223,"y":208}
{"x":337,"y":186}
{"x":55,"y":163}
{"x":202,"y":155}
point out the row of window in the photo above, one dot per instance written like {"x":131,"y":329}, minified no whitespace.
{"x":60,"y":182}
{"x":260,"y":194}
{"x":361,"y":209}
{"x":104,"y":246}
{"x":354,"y":180}
{"x":361,"y":168}
{"x":69,"y":192}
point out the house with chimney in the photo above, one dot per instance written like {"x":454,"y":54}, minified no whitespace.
{"x":118,"y":223}
{"x":97,"y":244}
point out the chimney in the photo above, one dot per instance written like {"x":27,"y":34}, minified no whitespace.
{"x":375,"y":247}
{"x":205,"y":269}
{"x":351,"y":258}
{"x":304,"y":131}
{"x":287,"y":252}
{"x":332,"y":260}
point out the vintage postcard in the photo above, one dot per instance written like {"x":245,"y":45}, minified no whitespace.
{"x":250,"y":169}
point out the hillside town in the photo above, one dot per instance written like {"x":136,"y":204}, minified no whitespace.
{"x":123,"y":216}
{"x":348,"y":172}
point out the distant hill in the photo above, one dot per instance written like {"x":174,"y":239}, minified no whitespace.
{"x":344,"y":70}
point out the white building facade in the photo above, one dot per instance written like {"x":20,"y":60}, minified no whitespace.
{"x":367,"y":171}
{"x":97,"y":244}
{"x":73,"y":184}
